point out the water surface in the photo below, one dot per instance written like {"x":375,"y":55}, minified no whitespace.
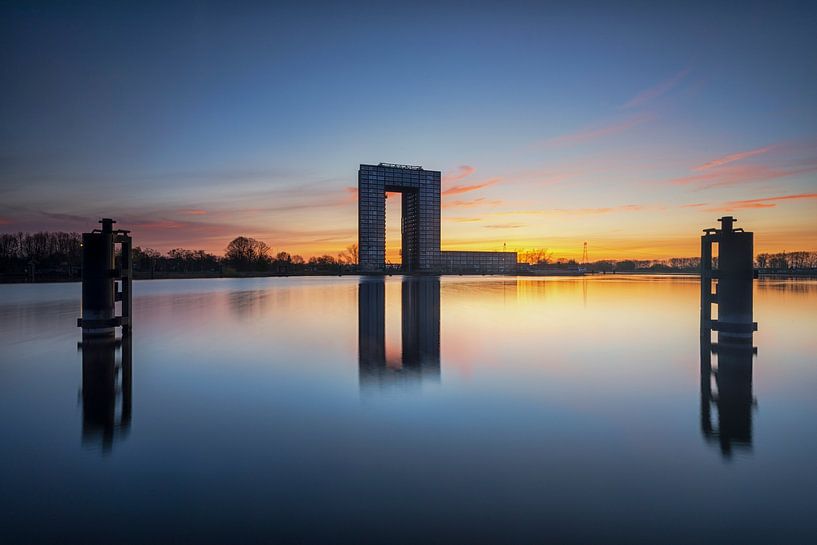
{"x":321,"y":410}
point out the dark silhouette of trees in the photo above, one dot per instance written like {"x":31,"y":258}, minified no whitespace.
{"x":349,"y":256}
{"x":603,"y":266}
{"x":535,"y":256}
{"x":628,"y":265}
{"x":181,"y":260}
{"x":177,"y":261}
{"x":787,"y":260}
{"x":248,"y":254}
{"x":58,"y":256}
{"x":323,"y":263}
{"x":51,"y":254}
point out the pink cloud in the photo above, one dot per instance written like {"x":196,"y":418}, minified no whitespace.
{"x":504,"y":226}
{"x":464,"y":220}
{"x":458,"y":189}
{"x":193,"y":212}
{"x":577,"y":211}
{"x":349,"y":195}
{"x":157,"y":224}
{"x":4,"y":221}
{"x":597,"y":132}
{"x":481,"y":201}
{"x":600,"y":210}
{"x":731,"y":158}
{"x":738,"y":174}
{"x":656,"y":91}
{"x":761,"y":203}
{"x":462,"y":172}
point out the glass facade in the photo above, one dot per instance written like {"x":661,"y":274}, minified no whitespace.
{"x":420,"y":224}
{"x":478,"y":262}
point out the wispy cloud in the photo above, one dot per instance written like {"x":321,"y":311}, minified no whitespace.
{"x":504,"y":226}
{"x":589,"y":211}
{"x":459,"y":189}
{"x":462,"y":172}
{"x":732,"y":157}
{"x":349,"y":196}
{"x":739,"y":174}
{"x":594,"y":133}
{"x":656,"y":91}
{"x":481,"y":201}
{"x":464,"y":220}
{"x":766,"y":163}
{"x":766,"y":202}
{"x":148,"y":225}
{"x":74,"y":218}
{"x":600,"y":210}
{"x":193,"y":212}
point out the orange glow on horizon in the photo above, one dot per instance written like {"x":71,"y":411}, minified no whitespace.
{"x":564,"y":239}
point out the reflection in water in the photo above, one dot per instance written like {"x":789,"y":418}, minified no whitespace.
{"x":247,"y":305}
{"x":106,"y":390}
{"x":420,"y":328}
{"x":249,"y":427}
{"x":732,"y":376}
{"x":732,"y":397}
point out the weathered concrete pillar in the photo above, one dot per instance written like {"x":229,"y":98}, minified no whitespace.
{"x":735,"y":275}
{"x":100,"y":275}
{"x":98,"y":282}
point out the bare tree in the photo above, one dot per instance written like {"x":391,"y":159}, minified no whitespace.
{"x":349,"y":255}
{"x":535,"y":256}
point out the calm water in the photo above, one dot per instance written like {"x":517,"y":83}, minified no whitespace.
{"x":328,"y":410}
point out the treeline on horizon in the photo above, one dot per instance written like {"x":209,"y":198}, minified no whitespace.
{"x":59,"y":255}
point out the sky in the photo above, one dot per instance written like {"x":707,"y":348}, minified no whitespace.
{"x":630,"y":126}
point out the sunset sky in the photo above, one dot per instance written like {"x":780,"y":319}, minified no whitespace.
{"x":630,"y":127}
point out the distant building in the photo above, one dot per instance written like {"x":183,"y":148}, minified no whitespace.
{"x":477,"y":262}
{"x":420,"y":225}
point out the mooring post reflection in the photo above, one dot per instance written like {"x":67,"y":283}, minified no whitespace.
{"x":420,"y":328}
{"x":106,"y":390}
{"x":733,"y":397}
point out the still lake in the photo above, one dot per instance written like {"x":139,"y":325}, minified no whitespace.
{"x":466,"y":409}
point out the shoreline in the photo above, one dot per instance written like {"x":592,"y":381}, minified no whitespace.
{"x":54,"y":279}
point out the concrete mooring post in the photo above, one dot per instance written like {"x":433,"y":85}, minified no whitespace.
{"x":733,"y":280}
{"x":106,"y":278}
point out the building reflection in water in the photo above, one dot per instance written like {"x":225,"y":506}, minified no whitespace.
{"x":420,"y":328}
{"x":107,"y":383}
{"x":727,"y":386}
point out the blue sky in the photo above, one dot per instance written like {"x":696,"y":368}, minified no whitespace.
{"x":553,"y":123}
